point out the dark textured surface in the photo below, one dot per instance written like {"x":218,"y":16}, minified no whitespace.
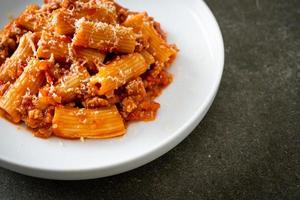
{"x":248,"y":145}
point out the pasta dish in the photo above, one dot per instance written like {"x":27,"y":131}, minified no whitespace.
{"x":82,"y":68}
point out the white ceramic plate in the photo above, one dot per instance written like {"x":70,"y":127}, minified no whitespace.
{"x":197,"y":71}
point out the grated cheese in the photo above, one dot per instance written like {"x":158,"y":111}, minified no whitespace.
{"x":31,"y":43}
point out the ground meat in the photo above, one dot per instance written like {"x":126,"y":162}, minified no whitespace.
{"x":141,"y":116}
{"x":136,"y":87}
{"x":137,"y":105}
{"x":35,"y":114}
{"x":95,"y":102}
{"x":149,"y":105}
{"x":157,"y":68}
{"x":154,"y":86}
{"x":128,"y":105}
{"x":146,"y":111}
{"x":48,"y":115}
{"x":26,"y":104}
{"x":43,"y":132}
{"x":34,"y":118}
{"x":39,"y":119}
{"x":163,"y":79}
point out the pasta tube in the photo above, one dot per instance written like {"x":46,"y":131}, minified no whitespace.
{"x":158,"y":47}
{"x":148,"y":57}
{"x":30,"y":81}
{"x":136,"y":21}
{"x":118,"y":72}
{"x":105,"y":37}
{"x":89,"y":56}
{"x":64,"y":20}
{"x":87,"y":123}
{"x":53,"y":44}
{"x":33,"y":19}
{"x":9,"y":70}
{"x":69,"y":84}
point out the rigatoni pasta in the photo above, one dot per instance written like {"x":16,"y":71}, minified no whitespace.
{"x":92,"y":57}
{"x":33,"y":19}
{"x":9,"y":70}
{"x":53,"y":45}
{"x":87,"y":123}
{"x":29,"y":82}
{"x":82,"y":68}
{"x":119,"y":72}
{"x":105,"y":37}
{"x":64,"y":19}
{"x":148,"y":57}
{"x":158,"y":47}
{"x":69,"y":85}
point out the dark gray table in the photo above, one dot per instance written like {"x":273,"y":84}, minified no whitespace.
{"x":248,"y":145}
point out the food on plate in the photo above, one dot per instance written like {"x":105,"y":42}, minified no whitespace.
{"x":82,"y":68}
